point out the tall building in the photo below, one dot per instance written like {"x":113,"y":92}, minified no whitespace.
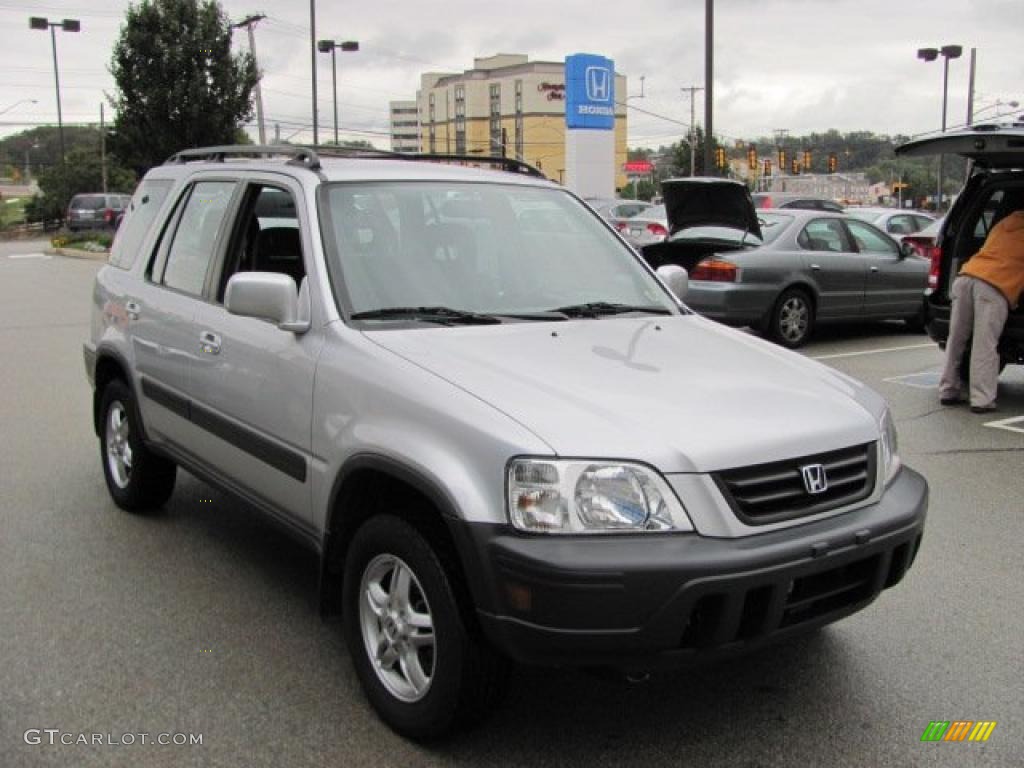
{"x":506,"y":105}
{"x":405,"y":127}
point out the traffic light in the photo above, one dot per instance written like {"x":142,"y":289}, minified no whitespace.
{"x":833,"y":162}
{"x":782,"y":160}
{"x":767,"y":166}
{"x":752,"y":156}
{"x":807,"y":160}
{"x":720,"y":157}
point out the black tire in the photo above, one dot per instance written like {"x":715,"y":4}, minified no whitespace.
{"x":138,"y":479}
{"x":792,"y":318}
{"x":464,"y":676}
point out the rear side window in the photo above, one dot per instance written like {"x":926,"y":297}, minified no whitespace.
{"x":195,"y":238}
{"x":138,"y":219}
{"x":823,"y":235}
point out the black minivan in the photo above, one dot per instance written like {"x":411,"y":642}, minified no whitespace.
{"x":994,"y":188}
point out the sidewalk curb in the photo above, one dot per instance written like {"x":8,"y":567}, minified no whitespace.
{"x":76,"y":253}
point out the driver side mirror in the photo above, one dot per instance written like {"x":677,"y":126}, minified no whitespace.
{"x":269,"y":296}
{"x":906,"y":249}
{"x":676,"y":278}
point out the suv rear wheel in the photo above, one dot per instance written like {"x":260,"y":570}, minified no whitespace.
{"x":137,"y":478}
{"x":421,"y":665}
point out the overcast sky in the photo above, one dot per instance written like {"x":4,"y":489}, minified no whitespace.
{"x":801,"y":65}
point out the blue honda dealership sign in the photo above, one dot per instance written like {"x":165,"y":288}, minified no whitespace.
{"x":589,"y":92}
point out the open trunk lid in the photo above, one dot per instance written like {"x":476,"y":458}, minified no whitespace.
{"x":989,"y":146}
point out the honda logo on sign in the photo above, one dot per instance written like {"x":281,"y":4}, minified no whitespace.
{"x":599,"y":84}
{"x":815,"y":479}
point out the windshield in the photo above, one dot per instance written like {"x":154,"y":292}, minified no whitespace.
{"x":480,"y":248}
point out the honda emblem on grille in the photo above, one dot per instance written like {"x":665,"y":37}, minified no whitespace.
{"x":815,"y":479}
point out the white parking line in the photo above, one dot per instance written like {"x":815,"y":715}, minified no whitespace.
{"x":873,"y":351}
{"x":1006,"y":424}
{"x":30,"y":256}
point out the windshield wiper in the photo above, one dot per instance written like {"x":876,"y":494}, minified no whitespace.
{"x":443,"y":315}
{"x":599,"y":308}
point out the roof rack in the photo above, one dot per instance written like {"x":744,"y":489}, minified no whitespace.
{"x":309,"y":157}
{"x":299,"y":155}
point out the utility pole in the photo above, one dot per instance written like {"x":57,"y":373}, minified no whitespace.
{"x":692,"y":90}
{"x":103,"y":150}
{"x":248,"y":23}
{"x":312,"y":59}
{"x":970,"y":87}
{"x":709,"y":57}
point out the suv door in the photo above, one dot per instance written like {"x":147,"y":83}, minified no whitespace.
{"x":162,"y":311}
{"x":834,"y":265}
{"x":252,"y":383}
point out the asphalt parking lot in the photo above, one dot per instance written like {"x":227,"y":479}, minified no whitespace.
{"x":202,"y":620}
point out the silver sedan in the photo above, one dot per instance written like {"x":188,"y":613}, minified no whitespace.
{"x":812,"y":267}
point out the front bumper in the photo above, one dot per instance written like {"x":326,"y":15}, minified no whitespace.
{"x":653,"y":600}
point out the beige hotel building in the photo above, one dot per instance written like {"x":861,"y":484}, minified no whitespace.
{"x":507,"y":105}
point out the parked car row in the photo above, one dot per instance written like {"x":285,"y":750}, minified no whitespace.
{"x":781,"y":271}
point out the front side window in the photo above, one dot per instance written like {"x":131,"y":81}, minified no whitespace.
{"x":195,"y":238}
{"x":870,"y":240}
{"x":486,"y":248}
{"x":266,"y":237}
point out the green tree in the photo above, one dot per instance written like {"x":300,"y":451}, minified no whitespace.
{"x":85,"y":174}
{"x":177,"y":83}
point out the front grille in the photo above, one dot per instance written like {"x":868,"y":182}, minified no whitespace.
{"x":770,"y":493}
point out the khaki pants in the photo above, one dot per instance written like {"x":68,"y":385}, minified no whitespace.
{"x":979,"y":311}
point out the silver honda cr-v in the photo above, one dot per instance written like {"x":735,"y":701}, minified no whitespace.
{"x":502,"y":433}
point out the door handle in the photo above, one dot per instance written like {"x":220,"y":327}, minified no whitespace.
{"x":209,"y":342}
{"x":873,"y":269}
{"x":816,"y":267}
{"x":133,"y":310}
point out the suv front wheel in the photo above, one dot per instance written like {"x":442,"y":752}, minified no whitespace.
{"x":138,"y":479}
{"x":421,"y":664}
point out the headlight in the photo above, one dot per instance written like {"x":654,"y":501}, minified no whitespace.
{"x":890,"y":449}
{"x":548,"y":496}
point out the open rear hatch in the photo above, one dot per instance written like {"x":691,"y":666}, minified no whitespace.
{"x":989,"y":146}
{"x":705,"y":216}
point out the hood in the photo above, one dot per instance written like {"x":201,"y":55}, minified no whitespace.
{"x":989,"y":146}
{"x":682,"y":393}
{"x":709,"y":202}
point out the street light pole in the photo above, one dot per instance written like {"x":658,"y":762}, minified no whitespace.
{"x":330,"y":46}
{"x":68,"y":25}
{"x":12,"y":106}
{"x":930,"y":54}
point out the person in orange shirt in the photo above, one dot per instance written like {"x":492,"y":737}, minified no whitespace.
{"x":988,"y":286}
